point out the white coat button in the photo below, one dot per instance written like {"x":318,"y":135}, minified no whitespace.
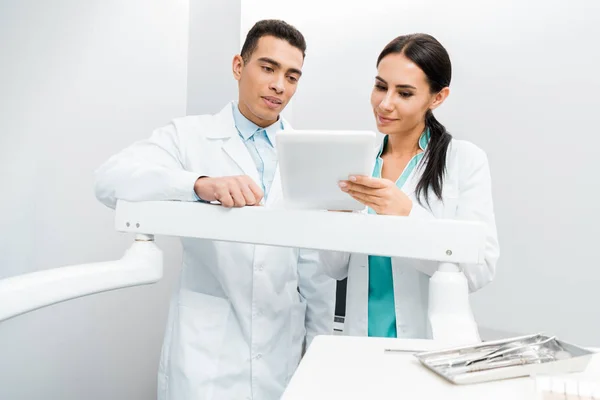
{"x":258,"y":357}
{"x":260,"y":267}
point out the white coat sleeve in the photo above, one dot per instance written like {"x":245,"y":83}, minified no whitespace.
{"x":148,"y":170}
{"x":474,"y":204}
{"x":318,"y":290}
{"x":334,"y":263}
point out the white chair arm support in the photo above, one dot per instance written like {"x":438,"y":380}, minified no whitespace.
{"x":450,"y":317}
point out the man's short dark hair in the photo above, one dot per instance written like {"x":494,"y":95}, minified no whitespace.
{"x":276,"y":28}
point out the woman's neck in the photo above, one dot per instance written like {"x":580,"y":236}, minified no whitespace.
{"x":404,"y":144}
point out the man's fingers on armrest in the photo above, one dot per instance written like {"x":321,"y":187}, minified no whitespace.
{"x":258,"y":193}
{"x":237,"y":196}
{"x":248,"y":195}
{"x":224,"y":198}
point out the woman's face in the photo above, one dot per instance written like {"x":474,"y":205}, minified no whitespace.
{"x":401,"y":95}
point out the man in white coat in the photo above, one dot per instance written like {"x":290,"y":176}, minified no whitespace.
{"x":242,"y":313}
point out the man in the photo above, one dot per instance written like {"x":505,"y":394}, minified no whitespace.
{"x":242,"y":312}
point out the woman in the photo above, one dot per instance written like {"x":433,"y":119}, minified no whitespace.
{"x":420,"y":172}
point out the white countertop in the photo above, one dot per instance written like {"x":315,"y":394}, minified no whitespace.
{"x":342,"y":367}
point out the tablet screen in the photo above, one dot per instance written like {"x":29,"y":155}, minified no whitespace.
{"x":313,"y":162}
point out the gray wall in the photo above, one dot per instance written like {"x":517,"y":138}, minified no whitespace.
{"x":79,"y":81}
{"x":525,"y":90}
{"x":214,"y":40}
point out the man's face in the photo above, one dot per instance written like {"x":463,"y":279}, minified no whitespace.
{"x":268,"y":80}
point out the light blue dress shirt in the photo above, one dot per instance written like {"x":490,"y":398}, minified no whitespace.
{"x":260,"y":143}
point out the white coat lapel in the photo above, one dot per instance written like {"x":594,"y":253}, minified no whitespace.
{"x":410,"y":186}
{"x":236,"y":149}
{"x":234,"y":146}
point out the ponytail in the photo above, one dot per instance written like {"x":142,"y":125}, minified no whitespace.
{"x":434,"y":159}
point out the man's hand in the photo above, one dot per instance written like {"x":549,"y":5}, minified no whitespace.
{"x":230,"y":191}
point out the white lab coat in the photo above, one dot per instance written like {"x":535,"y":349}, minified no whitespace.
{"x":241,"y":314}
{"x":467,"y":195}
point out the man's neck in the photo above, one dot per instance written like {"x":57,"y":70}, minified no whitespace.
{"x":262,"y":123}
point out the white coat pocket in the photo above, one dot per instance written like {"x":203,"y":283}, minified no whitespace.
{"x":198,"y":341}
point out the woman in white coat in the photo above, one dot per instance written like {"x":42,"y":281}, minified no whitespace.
{"x":420,"y":172}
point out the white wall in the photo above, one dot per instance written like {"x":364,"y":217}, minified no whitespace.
{"x":210,"y":80}
{"x":525,"y":89}
{"x":81,"y":80}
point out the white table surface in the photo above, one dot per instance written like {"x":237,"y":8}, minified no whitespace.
{"x":343,"y":367}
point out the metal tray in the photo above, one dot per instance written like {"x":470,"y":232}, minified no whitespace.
{"x":507,"y":358}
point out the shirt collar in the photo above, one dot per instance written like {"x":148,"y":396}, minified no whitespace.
{"x":423,"y":141}
{"x":247,"y":128}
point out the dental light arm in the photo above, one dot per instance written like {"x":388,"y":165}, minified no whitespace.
{"x":445,"y":241}
{"x":438,"y":240}
{"x":141,"y":264}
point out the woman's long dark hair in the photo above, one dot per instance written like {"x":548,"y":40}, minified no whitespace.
{"x":426,"y":52}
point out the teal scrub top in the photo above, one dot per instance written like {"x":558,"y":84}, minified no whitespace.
{"x":382,"y":310}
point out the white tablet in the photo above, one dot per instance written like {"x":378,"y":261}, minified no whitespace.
{"x":312,"y":163}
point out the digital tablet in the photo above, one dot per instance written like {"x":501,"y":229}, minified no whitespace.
{"x":312,"y":162}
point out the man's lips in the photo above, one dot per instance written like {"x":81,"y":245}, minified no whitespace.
{"x":272,"y":101}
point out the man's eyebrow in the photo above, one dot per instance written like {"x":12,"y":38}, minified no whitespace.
{"x":270,"y":61}
{"x":278,"y":65}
